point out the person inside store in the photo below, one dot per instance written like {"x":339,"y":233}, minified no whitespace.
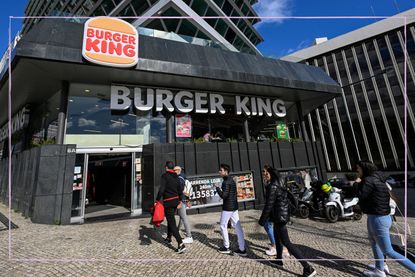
{"x":374,"y":199}
{"x":229,"y":212}
{"x":276,"y":209}
{"x":207,"y":137}
{"x":218,"y":137}
{"x":171,"y":193}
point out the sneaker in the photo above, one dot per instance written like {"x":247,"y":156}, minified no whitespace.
{"x":309,"y":271}
{"x":181,"y":248}
{"x":374,"y":273}
{"x":271,"y":251}
{"x":224,"y":250}
{"x":241,"y":253}
{"x":188,"y":240}
{"x":285,"y":254}
{"x":167,"y":240}
{"x":385,"y":268}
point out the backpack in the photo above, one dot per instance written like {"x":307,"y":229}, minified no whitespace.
{"x":188,"y":188}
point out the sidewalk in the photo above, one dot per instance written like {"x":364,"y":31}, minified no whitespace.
{"x":133,"y":248}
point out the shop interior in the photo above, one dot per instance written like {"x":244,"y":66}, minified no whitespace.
{"x":108,"y":190}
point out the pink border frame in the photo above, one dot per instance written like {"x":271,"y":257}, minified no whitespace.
{"x":204,"y":17}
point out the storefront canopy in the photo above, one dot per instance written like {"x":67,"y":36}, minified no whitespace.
{"x":52,"y":52}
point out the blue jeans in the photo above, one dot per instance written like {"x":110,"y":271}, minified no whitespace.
{"x":270,"y":231}
{"x":378,"y":228}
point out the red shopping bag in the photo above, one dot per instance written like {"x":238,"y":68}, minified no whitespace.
{"x":157,"y":212}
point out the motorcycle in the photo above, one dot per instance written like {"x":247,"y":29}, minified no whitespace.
{"x":312,"y":202}
{"x":339,"y":207}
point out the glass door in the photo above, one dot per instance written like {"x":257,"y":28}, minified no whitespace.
{"x":79,"y":188}
{"x":136,"y":184}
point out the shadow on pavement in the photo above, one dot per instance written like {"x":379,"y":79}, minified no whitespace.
{"x":148,"y":234}
{"x":352,"y":267}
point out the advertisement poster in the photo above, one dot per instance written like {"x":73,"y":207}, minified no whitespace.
{"x":183,"y":126}
{"x":204,"y":191}
{"x":282,"y":131}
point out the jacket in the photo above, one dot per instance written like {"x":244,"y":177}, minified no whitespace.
{"x":276,"y":207}
{"x":373,"y":194}
{"x":170,"y":188}
{"x":228,"y":194}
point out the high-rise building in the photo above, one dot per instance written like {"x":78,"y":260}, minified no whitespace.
{"x":235,"y":34}
{"x":367,"y":120}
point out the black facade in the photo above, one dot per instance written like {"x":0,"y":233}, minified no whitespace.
{"x":69,"y":102}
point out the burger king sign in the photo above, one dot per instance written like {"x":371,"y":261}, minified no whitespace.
{"x":110,"y":41}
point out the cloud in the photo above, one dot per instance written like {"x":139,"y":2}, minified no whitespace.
{"x":82,"y":122}
{"x":303,"y":44}
{"x":269,"y":8}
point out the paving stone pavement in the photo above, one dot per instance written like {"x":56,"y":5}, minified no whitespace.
{"x":133,"y":248}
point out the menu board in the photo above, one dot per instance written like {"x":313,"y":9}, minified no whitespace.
{"x":204,"y":191}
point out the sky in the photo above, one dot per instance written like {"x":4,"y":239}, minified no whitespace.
{"x":281,"y":36}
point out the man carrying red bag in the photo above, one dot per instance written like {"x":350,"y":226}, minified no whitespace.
{"x":171,"y":193}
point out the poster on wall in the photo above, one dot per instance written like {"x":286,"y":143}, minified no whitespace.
{"x":282,"y":131}
{"x":204,"y":191}
{"x":183,"y":126}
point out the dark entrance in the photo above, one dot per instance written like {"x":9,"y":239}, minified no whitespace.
{"x":108,"y":191}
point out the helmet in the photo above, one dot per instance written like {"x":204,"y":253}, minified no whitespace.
{"x":326,"y":187}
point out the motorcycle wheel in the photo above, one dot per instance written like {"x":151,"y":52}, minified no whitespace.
{"x":357,"y":213}
{"x":332,"y":214}
{"x":303,"y":211}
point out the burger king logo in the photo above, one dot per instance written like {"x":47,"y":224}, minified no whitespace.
{"x":110,"y":41}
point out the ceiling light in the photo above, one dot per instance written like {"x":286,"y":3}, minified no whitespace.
{"x":87,"y":90}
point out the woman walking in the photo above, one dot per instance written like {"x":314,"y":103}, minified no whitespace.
{"x":374,"y":199}
{"x":268,"y":226}
{"x":276,"y":209}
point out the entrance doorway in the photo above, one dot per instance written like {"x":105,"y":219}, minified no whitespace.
{"x":108,"y":189}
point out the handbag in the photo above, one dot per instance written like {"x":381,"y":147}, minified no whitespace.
{"x":397,"y":236}
{"x":157,"y":212}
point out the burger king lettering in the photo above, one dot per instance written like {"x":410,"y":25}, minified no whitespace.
{"x":110,"y":41}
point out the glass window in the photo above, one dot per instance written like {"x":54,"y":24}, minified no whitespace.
{"x":171,"y":24}
{"x":140,"y":6}
{"x":90,"y":121}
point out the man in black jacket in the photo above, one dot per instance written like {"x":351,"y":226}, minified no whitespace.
{"x":170,"y":191}
{"x":230,"y":211}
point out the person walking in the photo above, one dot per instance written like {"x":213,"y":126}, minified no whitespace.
{"x":183,"y":205}
{"x":230,"y":212}
{"x":276,"y":209}
{"x":171,"y":193}
{"x":268,"y":226}
{"x":374,"y":199}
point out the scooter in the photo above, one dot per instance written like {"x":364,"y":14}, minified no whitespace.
{"x":336,"y":207}
{"x":311,"y":203}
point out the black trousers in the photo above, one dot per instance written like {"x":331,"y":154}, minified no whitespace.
{"x":171,"y":224}
{"x":282,"y":239}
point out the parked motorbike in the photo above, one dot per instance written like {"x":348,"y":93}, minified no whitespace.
{"x":312,"y":201}
{"x":339,"y":207}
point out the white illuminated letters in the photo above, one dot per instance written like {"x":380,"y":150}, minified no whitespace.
{"x":138,"y":99}
{"x":146,"y":99}
{"x":184,"y":101}
{"x":119,"y":98}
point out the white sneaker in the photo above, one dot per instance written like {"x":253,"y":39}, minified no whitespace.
{"x":374,"y":273}
{"x":271,"y":251}
{"x":188,"y":240}
{"x":385,"y":268}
